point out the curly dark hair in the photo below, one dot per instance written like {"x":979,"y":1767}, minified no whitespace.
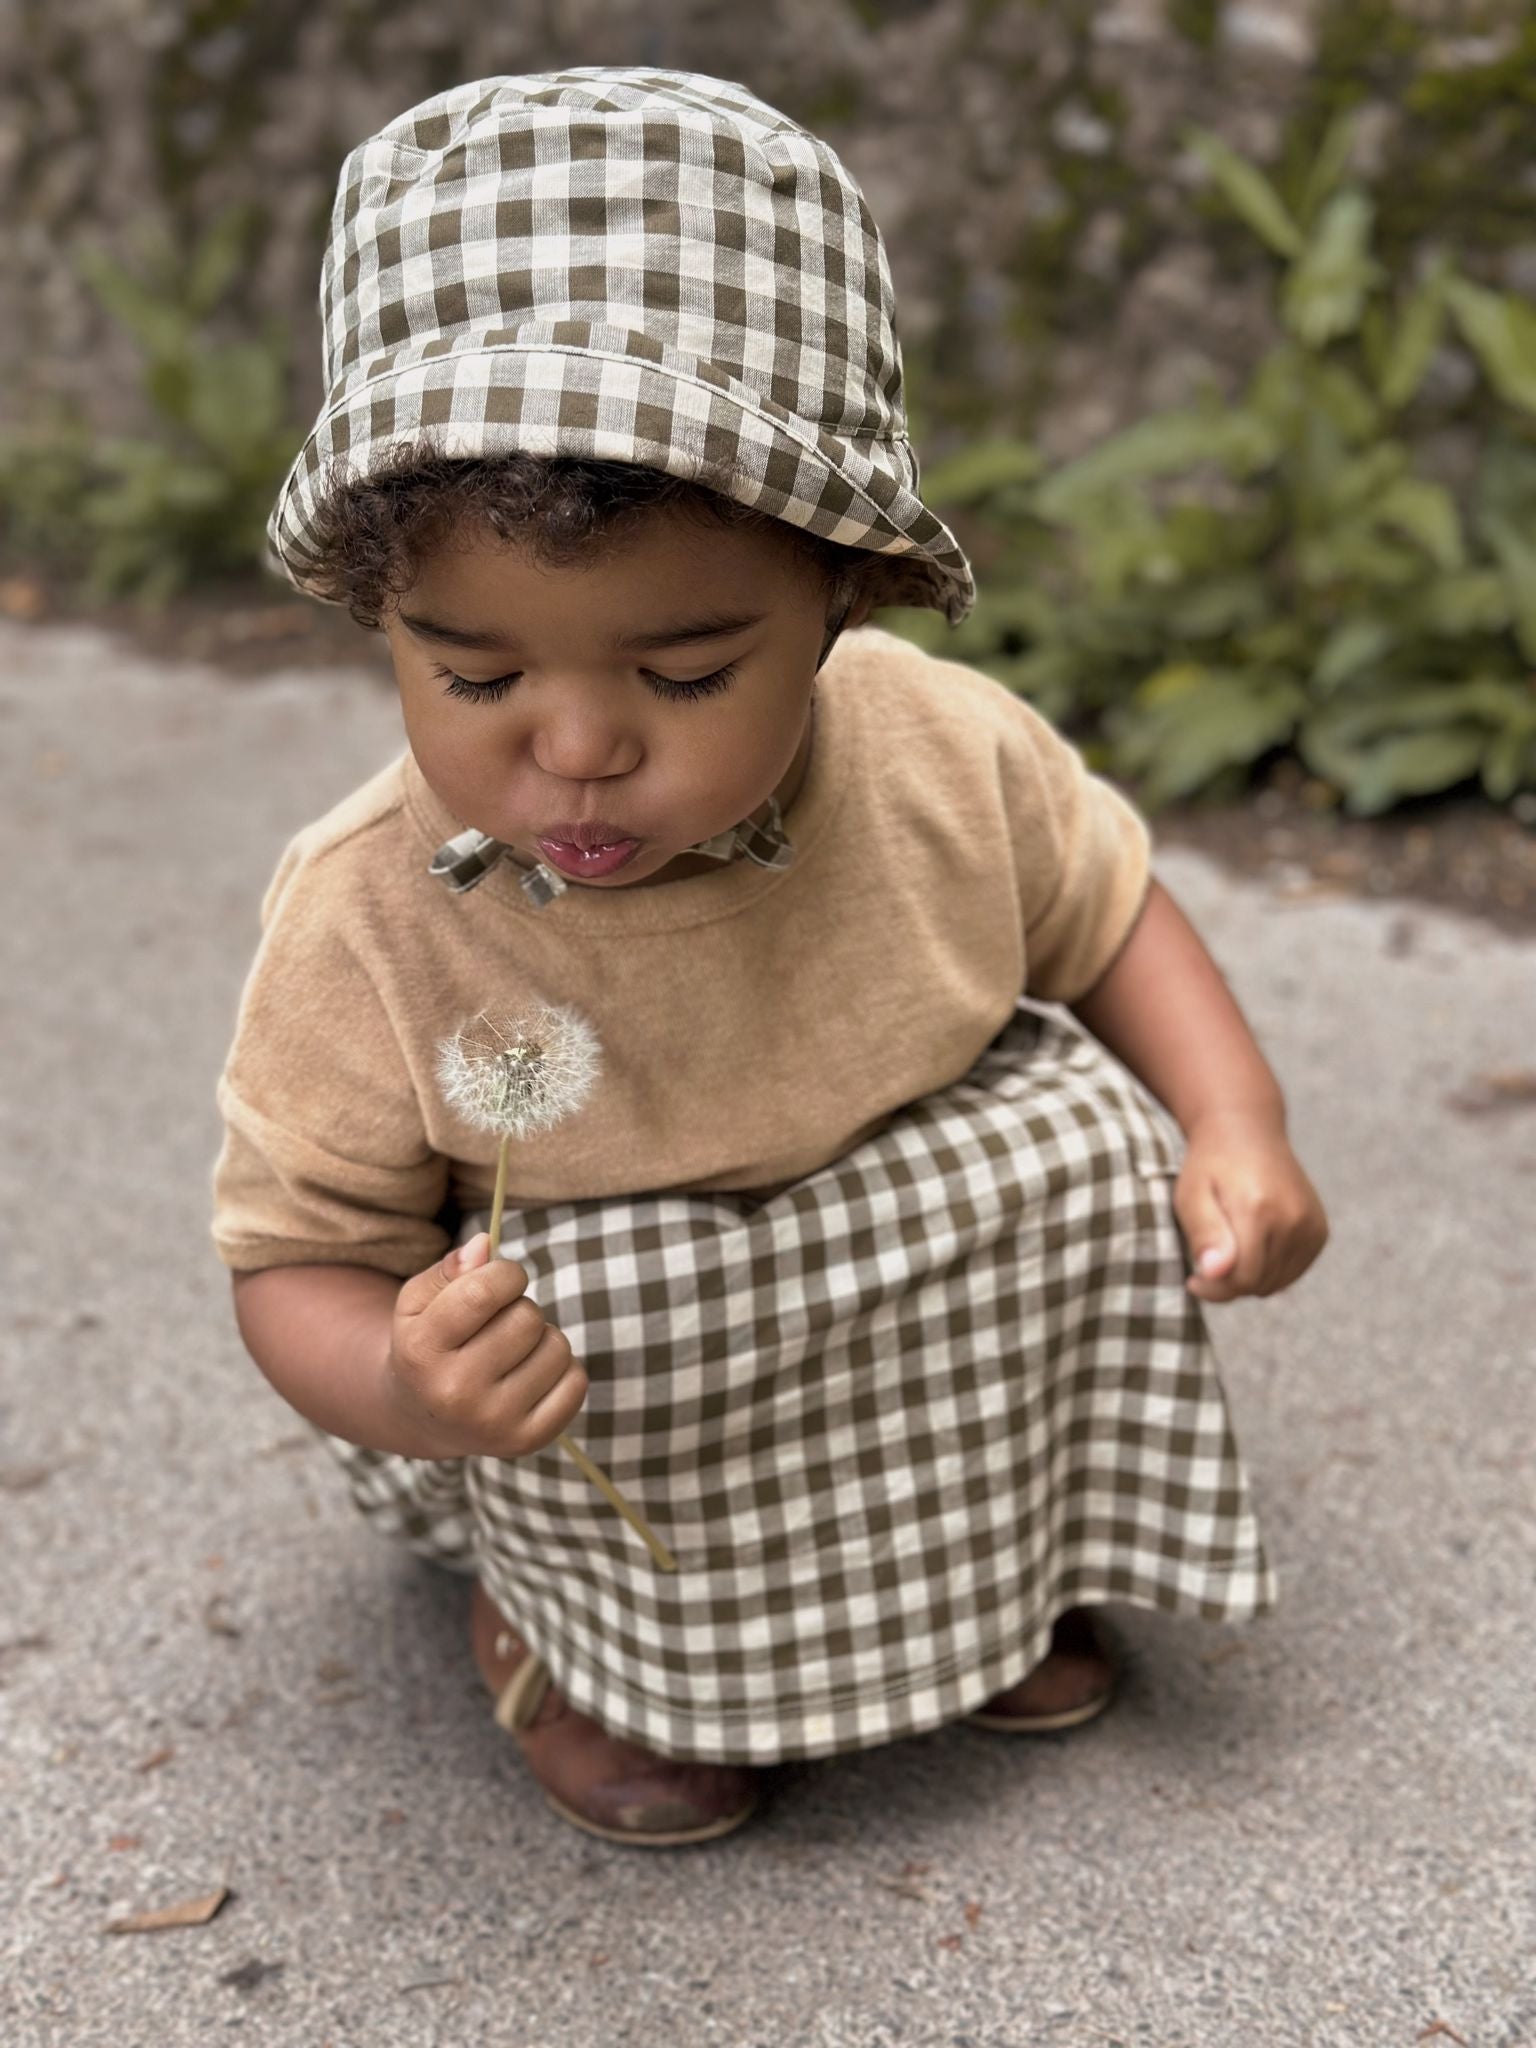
{"x":372,"y":533}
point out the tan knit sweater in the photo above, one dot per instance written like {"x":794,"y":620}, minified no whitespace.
{"x":952,"y":852}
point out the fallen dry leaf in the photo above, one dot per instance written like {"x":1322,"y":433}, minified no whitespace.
{"x":21,"y":1646}
{"x":1507,"y":1088}
{"x":190,"y":1913}
{"x":1519,"y":1082}
{"x":906,"y":1888}
{"x":1440,"y":2027}
{"x":972,"y":1912}
{"x":120,"y":1842}
{"x":331,"y":1671}
{"x":1311,"y":892}
{"x":215,"y":1620}
{"x":951,"y":1941}
{"x":282,"y":622}
{"x":246,"y":1976}
{"x":283,"y":1444}
{"x":155,"y":1759}
{"x":1222,"y":1652}
{"x":25,"y":1478}
{"x":22,"y":598}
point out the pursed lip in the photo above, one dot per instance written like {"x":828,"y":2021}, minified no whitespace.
{"x":596,"y":833}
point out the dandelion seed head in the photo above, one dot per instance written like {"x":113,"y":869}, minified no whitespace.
{"x":519,"y":1073}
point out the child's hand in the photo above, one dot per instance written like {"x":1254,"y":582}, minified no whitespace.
{"x":1251,"y":1218}
{"x":474,"y":1365}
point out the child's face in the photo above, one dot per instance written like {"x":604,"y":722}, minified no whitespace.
{"x":587,"y":730}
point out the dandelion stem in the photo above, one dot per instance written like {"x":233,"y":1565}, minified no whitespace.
{"x":595,"y":1473}
{"x":498,"y":1200}
{"x":605,"y":1486}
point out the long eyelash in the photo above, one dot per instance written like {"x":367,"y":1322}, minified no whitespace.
{"x":477,"y":693}
{"x":665,"y":686}
{"x":700,"y":686}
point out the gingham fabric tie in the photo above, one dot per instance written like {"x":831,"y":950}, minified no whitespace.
{"x":465,"y":860}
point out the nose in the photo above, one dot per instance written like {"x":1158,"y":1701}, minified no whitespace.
{"x":583,"y":738}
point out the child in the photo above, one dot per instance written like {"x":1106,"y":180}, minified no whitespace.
{"x":859,"y":1272}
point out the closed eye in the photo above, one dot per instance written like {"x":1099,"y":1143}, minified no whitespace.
{"x":478,"y":693}
{"x":664,"y":686}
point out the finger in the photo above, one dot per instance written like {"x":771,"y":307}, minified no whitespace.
{"x":538,"y":1398}
{"x":501,"y":1348}
{"x":1248,"y":1270}
{"x":1218,"y":1275}
{"x":422,"y":1289}
{"x":1297,"y":1254}
{"x":1255,"y":1240}
{"x":558,"y":1409}
{"x":473,"y":1298}
{"x":1208,"y":1234}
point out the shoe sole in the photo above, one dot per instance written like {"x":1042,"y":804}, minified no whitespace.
{"x":1044,"y":1724}
{"x":662,"y":1839}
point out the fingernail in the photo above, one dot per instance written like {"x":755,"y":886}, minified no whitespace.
{"x":1210,"y":1259}
{"x":467,"y":1251}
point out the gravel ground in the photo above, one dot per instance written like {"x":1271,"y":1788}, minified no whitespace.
{"x":1312,"y":1831}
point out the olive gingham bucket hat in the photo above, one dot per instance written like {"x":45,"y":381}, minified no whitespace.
{"x":630,"y":266}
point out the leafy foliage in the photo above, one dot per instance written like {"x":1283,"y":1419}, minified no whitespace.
{"x":1287,"y":568}
{"x":148,"y":515}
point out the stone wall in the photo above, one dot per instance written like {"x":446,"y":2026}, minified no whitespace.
{"x":1059,"y":264}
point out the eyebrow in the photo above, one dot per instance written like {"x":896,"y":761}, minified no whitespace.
{"x":713,"y":627}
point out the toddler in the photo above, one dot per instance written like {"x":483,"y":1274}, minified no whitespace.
{"x":872,"y":1267}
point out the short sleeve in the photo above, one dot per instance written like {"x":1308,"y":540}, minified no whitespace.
{"x":325,"y":1155}
{"x":1087,"y":856}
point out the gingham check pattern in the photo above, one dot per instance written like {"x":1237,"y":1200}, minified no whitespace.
{"x":636,"y":266}
{"x":890,"y":1422}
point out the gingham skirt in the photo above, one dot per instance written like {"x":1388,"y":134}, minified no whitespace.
{"x":890,"y":1422}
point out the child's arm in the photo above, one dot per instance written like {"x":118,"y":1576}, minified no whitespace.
{"x":1252,"y":1218}
{"x":457,"y":1362}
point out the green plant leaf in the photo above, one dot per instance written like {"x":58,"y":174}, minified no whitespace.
{"x":1363,"y":744}
{"x":1516,"y":554}
{"x":1328,"y":165}
{"x":975,"y":474}
{"x":1219,"y":605}
{"x":1427,"y":513}
{"x":1164,"y":444}
{"x":1353,"y":553}
{"x":1189,"y":724}
{"x":1457,"y":606}
{"x":1248,"y":192}
{"x":235,"y":402}
{"x":156,"y":323}
{"x":1501,"y":331}
{"x":1325,"y":292}
{"x":1415,"y":337}
{"x":211,"y":267}
{"x":1354,"y":644}
{"x":1415,"y":764}
{"x":1362,"y":480}
{"x":1509,"y":764}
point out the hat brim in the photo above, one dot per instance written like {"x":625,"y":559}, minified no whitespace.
{"x":615,"y":395}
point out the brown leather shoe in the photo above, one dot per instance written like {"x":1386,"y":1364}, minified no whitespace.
{"x":1073,"y":1684}
{"x":607,"y":1787}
